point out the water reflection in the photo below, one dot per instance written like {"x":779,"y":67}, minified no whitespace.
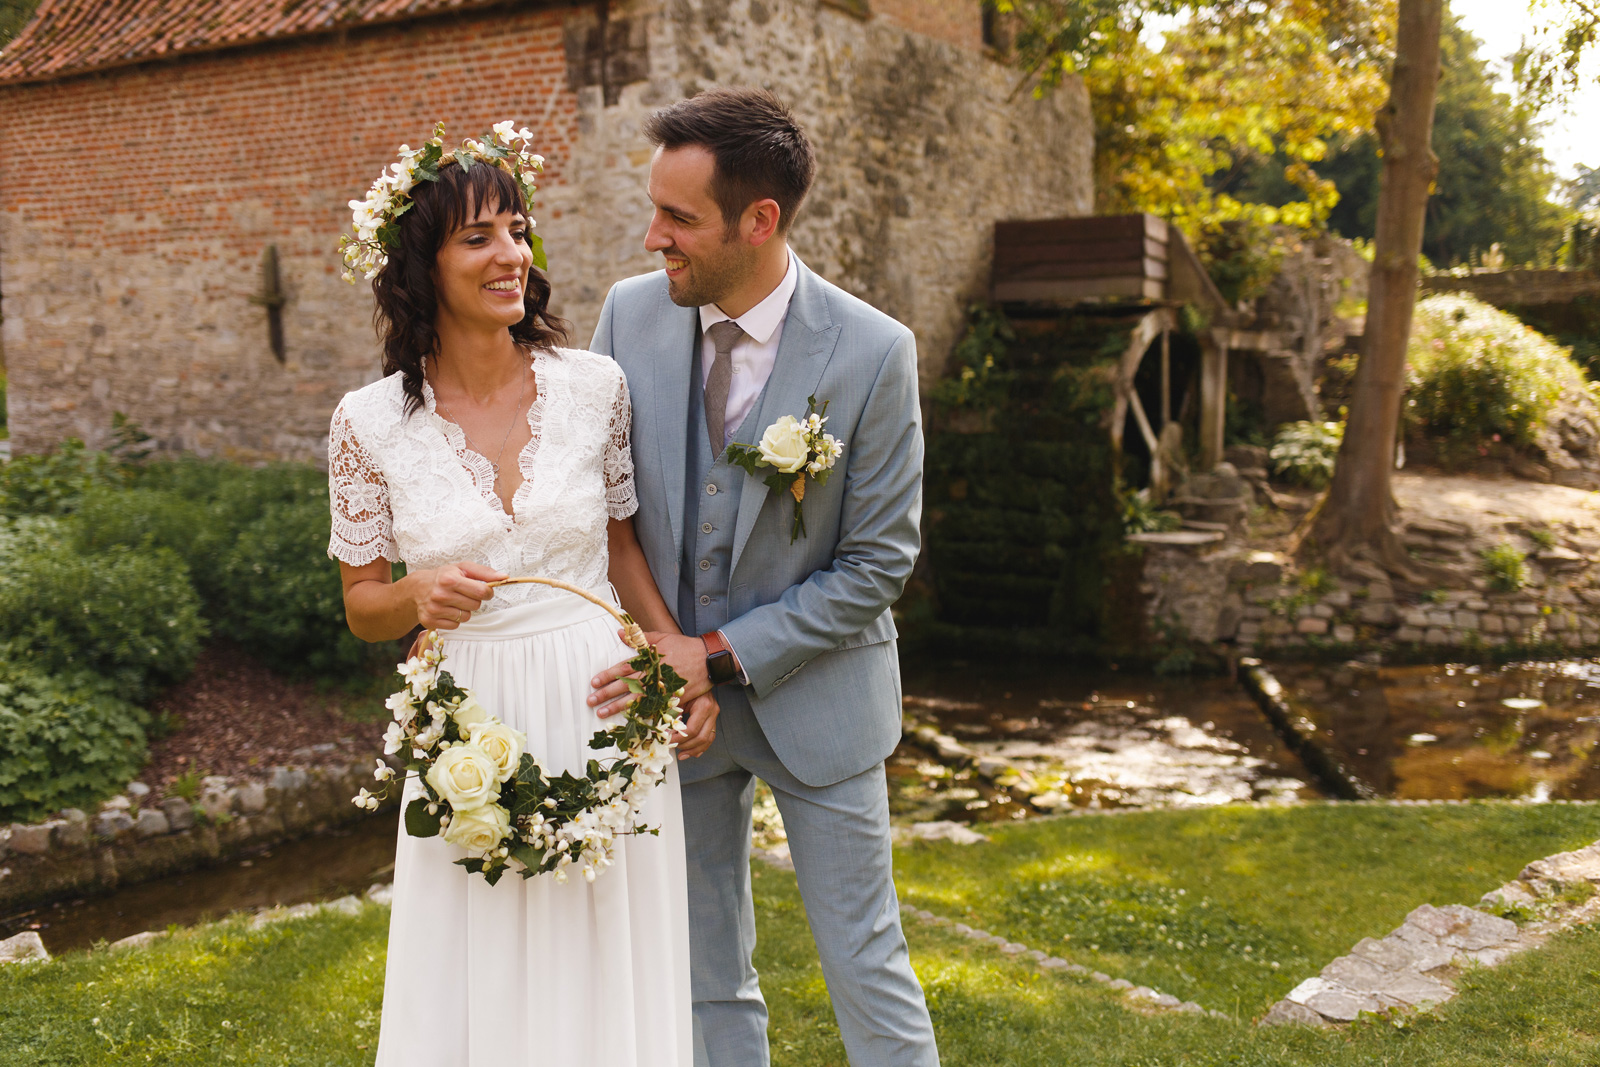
{"x":1074,"y":738}
{"x":1458,"y":731}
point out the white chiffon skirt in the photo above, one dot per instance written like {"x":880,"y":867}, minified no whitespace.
{"x":533,"y":972}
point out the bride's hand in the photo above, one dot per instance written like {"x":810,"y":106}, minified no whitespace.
{"x":448,"y":596}
{"x":700,"y":729}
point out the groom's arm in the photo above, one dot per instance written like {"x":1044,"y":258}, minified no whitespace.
{"x":878,"y":543}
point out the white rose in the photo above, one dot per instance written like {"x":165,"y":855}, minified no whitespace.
{"x":500,"y":743}
{"x":784,"y":445}
{"x":465,"y":777}
{"x":470,"y":712}
{"x":480,"y":829}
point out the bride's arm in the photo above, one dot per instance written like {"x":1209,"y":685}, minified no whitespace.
{"x":636,"y":587}
{"x":378,"y":608}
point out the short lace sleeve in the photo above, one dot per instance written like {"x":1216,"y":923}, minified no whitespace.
{"x":362,"y":523}
{"x":620,"y":499}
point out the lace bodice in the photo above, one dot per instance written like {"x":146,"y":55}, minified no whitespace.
{"x":410,"y":489}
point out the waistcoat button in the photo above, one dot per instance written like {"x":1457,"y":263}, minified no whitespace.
{"x":705,"y":527}
{"x":705,"y":564}
{"x":704,"y":601}
{"x":711,"y":490}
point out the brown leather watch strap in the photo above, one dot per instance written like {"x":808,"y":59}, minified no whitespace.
{"x":715,"y":642}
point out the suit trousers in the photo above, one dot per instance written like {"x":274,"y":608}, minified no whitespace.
{"x":839,"y":840}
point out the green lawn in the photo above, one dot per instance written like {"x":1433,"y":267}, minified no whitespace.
{"x":1302,"y":883}
{"x":1239,"y":888}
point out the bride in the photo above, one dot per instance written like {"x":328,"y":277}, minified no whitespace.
{"x":489,"y":451}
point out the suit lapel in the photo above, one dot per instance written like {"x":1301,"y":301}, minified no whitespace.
{"x":669,"y":353}
{"x":809,"y":336}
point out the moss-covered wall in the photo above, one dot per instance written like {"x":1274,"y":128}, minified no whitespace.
{"x":1024,"y":512}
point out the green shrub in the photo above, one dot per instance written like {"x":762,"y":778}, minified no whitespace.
{"x":130,"y":616}
{"x":54,"y":484}
{"x":70,"y":741}
{"x":1477,"y":376}
{"x":193,"y":527}
{"x":283,"y":597}
{"x":1305,"y":452}
{"x":1507,"y":567}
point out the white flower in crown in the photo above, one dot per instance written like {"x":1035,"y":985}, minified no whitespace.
{"x":374,"y":230}
{"x":794,"y":449}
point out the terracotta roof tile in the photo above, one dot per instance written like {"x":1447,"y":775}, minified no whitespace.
{"x":72,"y":36}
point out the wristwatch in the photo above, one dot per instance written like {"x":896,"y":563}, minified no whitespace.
{"x":720,"y":664}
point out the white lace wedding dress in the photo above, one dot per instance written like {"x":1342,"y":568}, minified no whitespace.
{"x":523,"y":972}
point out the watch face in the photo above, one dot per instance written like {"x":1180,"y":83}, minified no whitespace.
{"x":719,"y":665}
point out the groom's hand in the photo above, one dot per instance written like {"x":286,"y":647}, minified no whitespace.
{"x":687,"y":656}
{"x":699,"y":727}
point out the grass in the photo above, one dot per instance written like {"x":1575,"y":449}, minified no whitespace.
{"x":1304,"y":883}
{"x":1230,"y":906}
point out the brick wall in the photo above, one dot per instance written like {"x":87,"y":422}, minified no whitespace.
{"x":135,"y":206}
{"x":127,"y":271}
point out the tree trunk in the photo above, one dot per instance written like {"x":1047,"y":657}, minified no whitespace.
{"x":1355,"y":521}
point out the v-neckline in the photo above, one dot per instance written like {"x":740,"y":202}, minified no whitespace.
{"x":475,"y":465}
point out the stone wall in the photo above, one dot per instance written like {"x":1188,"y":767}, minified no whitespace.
{"x":128,"y":273}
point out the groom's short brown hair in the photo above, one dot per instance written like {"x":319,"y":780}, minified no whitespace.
{"x":760,"y":150}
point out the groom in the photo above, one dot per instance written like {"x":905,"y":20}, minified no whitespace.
{"x":797,"y":637}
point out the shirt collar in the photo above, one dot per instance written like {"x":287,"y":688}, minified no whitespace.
{"x":763,"y":320}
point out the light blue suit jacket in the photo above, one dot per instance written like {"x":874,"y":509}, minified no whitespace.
{"x":810,"y":621}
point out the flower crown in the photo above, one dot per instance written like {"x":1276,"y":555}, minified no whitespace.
{"x":375,"y":220}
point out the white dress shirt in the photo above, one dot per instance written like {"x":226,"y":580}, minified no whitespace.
{"x":753,"y":355}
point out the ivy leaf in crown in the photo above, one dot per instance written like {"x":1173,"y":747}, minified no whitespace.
{"x":375,"y":220}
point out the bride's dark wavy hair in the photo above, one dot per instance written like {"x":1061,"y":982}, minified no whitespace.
{"x":407,"y":302}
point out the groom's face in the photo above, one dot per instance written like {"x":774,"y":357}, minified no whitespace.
{"x":704,"y":260}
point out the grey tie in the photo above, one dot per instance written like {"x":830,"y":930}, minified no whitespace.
{"x":724,"y":335}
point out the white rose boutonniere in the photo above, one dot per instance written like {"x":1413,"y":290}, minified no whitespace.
{"x":793,"y":449}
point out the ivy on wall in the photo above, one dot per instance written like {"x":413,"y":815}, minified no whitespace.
{"x":1025,"y":515}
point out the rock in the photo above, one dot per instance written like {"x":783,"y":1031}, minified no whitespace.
{"x":117,"y":803}
{"x":1393,"y":954}
{"x":1465,"y":620}
{"x":26,"y":947}
{"x":112,"y":824}
{"x":1344,"y":633}
{"x":1339,"y":599}
{"x":1492,"y":624}
{"x":1380,"y":590}
{"x":1580,"y":865}
{"x":1322,"y":611}
{"x":252,"y":798}
{"x":1408,"y":635}
{"x":1462,"y":927}
{"x":1191,"y":1008}
{"x":288,"y":779}
{"x":179,"y":813}
{"x":1418,"y":619}
{"x":348,"y":905}
{"x":1412,"y":988}
{"x":1035,"y":955}
{"x":1099,"y":976}
{"x":1053,"y":963}
{"x":1243,"y":456}
{"x":382,"y":893}
{"x":1436,"y":636}
{"x":218,"y":802}
{"x":1120,"y":983}
{"x":945,"y":830}
{"x":1353,"y":972}
{"x":1143,"y":992}
{"x":1561,"y":557}
{"x":1342,"y":1005}
{"x":1378,"y":613}
{"x":32,"y":840}
{"x":144,"y":940}
{"x":1440,"y":528}
{"x":138,"y":790}
{"x":151,"y":823}
{"x":1013,"y":948}
{"x":1311,"y":625}
{"x":1511,"y":894}
{"x":71,"y":830}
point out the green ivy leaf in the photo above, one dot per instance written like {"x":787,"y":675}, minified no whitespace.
{"x":418,"y":822}
{"x":536,"y":246}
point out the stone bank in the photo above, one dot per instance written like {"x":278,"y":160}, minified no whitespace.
{"x":151,"y":157}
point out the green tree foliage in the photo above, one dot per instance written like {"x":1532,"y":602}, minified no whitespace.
{"x":1238,"y":79}
{"x":1494,"y":185}
{"x":14,"y":14}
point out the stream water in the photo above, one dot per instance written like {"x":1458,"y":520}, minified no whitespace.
{"x":322,"y":867}
{"x":1453,"y":731}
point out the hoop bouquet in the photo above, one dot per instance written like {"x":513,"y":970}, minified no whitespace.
{"x":482,"y":789}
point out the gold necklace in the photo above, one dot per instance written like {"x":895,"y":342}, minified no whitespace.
{"x":500,"y":455}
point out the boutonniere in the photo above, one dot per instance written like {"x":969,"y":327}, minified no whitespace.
{"x":794,"y":449}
